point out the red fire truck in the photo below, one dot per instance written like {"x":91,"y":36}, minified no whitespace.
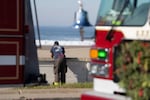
{"x":117,"y":21}
{"x":18,"y":52}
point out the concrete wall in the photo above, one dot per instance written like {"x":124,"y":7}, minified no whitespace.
{"x":77,"y":71}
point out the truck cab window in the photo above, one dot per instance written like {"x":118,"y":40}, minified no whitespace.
{"x":109,"y":11}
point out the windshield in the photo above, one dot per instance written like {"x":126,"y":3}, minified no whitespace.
{"x":134,"y":12}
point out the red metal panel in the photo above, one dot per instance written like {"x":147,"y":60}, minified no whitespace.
{"x":9,"y":46}
{"x":7,"y":71}
{"x":101,"y":38}
{"x":11,"y":17}
{"x":17,"y":78}
{"x":92,"y":97}
{"x":12,"y":46}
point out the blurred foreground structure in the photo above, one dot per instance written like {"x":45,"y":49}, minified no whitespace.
{"x":18,"y":52}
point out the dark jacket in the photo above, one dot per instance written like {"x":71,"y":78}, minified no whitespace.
{"x":57,"y":51}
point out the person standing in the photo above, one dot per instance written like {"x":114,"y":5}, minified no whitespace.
{"x":60,"y":66}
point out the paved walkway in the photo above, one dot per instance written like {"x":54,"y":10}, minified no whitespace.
{"x":41,"y":94}
{"x":77,"y":71}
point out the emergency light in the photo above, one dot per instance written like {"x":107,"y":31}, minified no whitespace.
{"x":102,"y":68}
{"x":100,"y":54}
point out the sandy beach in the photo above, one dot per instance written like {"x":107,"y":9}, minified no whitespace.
{"x":80,"y":52}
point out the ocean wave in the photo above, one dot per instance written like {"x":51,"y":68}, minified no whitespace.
{"x":66,"y":43}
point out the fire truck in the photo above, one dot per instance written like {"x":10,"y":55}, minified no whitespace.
{"x":18,"y":51}
{"x":117,"y":21}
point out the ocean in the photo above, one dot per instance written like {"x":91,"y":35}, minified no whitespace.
{"x":65,"y":35}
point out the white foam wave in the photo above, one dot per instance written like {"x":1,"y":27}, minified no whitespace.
{"x":66,"y":43}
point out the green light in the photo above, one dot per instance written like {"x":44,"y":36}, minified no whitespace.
{"x":102,"y":54}
{"x":116,"y":22}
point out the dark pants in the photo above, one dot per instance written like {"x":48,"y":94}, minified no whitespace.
{"x":60,"y":70}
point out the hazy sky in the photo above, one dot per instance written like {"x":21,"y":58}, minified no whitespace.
{"x":61,"y":12}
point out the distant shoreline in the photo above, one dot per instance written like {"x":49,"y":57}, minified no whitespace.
{"x":67,"y":43}
{"x":68,"y":46}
